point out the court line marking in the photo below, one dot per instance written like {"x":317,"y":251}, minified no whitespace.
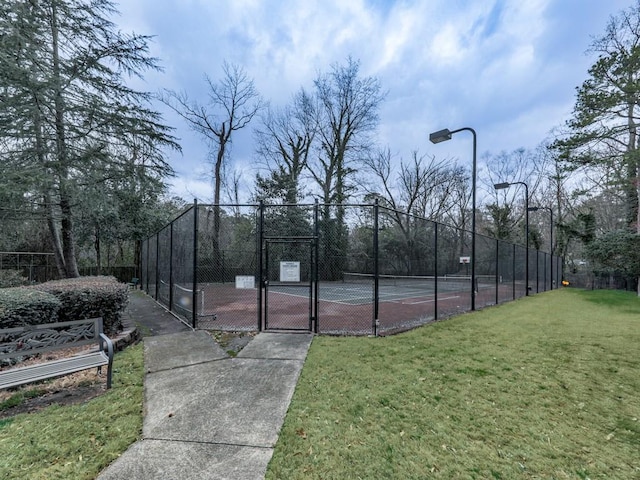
{"x":358,"y":301}
{"x":424,"y":301}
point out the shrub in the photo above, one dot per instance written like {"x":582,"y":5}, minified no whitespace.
{"x":12,"y":278}
{"x":88,"y":297}
{"x":24,"y":306}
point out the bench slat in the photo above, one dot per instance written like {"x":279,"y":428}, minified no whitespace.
{"x":33,"y":373}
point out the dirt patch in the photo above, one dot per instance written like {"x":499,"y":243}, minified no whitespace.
{"x":69,"y":390}
{"x":232,"y":342}
{"x":69,"y":396}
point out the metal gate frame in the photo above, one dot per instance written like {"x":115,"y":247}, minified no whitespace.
{"x":312,"y":283}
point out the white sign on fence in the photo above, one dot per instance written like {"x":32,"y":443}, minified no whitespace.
{"x":465,"y":259}
{"x":245,"y":281}
{"x":289,"y":271}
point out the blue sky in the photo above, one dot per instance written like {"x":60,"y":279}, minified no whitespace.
{"x":507,"y":68}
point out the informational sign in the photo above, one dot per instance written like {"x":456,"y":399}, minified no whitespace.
{"x":465,"y":259}
{"x":245,"y":281}
{"x":289,"y":271}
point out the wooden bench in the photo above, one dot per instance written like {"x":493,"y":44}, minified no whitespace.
{"x":19,"y":342}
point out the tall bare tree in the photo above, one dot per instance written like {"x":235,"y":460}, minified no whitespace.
{"x":347,"y":117}
{"x":232,"y":103}
{"x":507,"y":211}
{"x":421,"y":188}
{"x":284,"y":142}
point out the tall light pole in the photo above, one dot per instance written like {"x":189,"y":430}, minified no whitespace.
{"x":500,"y":186}
{"x":442,"y":136}
{"x":550,"y":210}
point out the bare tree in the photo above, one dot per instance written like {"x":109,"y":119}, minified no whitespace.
{"x":508,"y":207}
{"x":284,"y":144}
{"x":233,"y":102}
{"x":422,"y":188}
{"x":347,"y":116}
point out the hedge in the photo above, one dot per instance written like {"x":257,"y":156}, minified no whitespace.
{"x":23,"y":306}
{"x":88,"y":297}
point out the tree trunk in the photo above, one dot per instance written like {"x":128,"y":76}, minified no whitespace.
{"x":96,"y":246}
{"x":55,"y":238}
{"x":217,"y":185}
{"x":66,"y":223}
{"x":68,"y":246}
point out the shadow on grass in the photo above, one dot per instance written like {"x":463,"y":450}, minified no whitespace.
{"x":629,"y":302}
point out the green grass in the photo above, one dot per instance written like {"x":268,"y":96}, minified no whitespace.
{"x":19,"y":398}
{"x":547,"y":387}
{"x":77,"y":442}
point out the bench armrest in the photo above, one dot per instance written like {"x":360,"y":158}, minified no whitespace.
{"x":107,"y":345}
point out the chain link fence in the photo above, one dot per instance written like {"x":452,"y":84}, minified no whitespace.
{"x":332,"y":269}
{"x":20,"y":268}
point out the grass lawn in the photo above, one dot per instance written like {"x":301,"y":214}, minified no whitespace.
{"x":78,"y":441}
{"x":547,"y":387}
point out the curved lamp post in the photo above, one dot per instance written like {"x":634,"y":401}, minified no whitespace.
{"x":443,"y":136}
{"x":500,"y":186}
{"x":535,"y":209}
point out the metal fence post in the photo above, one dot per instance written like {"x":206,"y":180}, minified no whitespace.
{"x":157,"y":269}
{"x":171,"y":267}
{"x":315,"y":264}
{"x":497,"y":270}
{"x":146,"y":288}
{"x":376,"y":270}
{"x":435,"y":270}
{"x":513,"y":270}
{"x":537,"y":271}
{"x":194,"y":313}
{"x":259,"y":243}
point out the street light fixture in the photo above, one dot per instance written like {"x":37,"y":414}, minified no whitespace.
{"x":550,"y":210}
{"x":500,"y":186}
{"x":443,"y":136}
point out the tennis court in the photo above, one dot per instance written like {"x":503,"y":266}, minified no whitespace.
{"x":309,"y":268}
{"x":358,"y":288}
{"x":340,"y":307}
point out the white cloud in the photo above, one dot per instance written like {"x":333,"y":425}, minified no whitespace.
{"x":506,"y":67}
{"x":189,"y":187}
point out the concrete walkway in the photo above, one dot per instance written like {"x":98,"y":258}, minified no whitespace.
{"x":209,"y":416}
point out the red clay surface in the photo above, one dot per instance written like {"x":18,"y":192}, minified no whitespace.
{"x":225,"y":307}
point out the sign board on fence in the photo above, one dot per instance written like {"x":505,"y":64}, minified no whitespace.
{"x":465,"y":259}
{"x":245,"y":281}
{"x":289,"y":271}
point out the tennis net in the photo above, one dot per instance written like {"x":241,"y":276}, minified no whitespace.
{"x":444,"y":282}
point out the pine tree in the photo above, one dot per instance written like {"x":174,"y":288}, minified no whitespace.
{"x":67,"y":115}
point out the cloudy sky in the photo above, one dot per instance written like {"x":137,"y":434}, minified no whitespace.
{"x":507,"y":68}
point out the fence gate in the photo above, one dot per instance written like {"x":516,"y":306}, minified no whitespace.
{"x":290,"y":296}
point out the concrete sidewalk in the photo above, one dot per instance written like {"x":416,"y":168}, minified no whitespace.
{"x":209,"y":416}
